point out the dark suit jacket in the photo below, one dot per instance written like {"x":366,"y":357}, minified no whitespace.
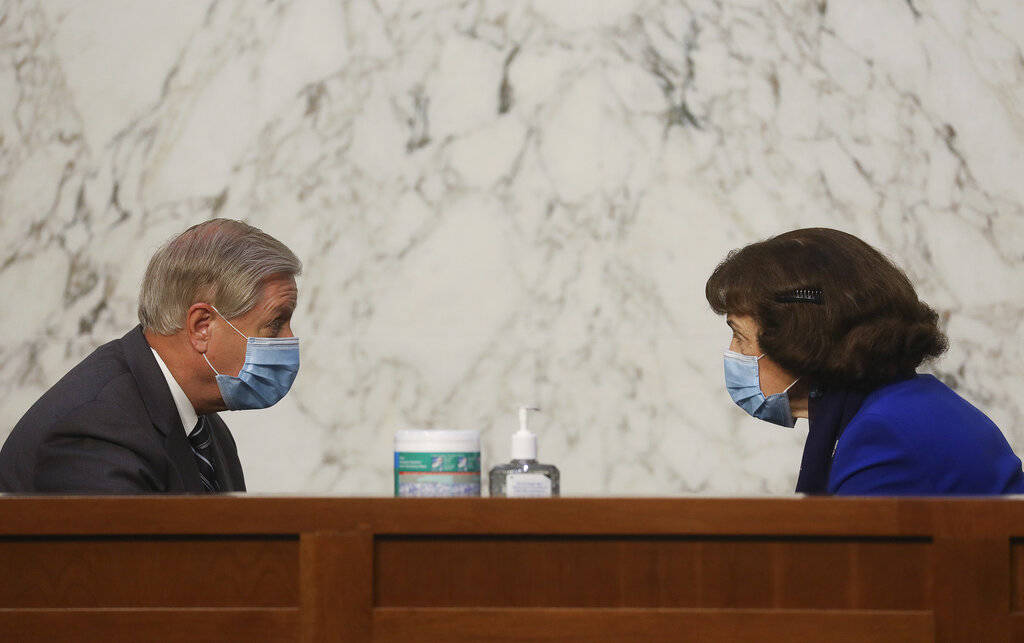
{"x":110,"y":426}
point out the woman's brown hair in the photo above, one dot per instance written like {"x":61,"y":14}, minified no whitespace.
{"x":830,"y":308}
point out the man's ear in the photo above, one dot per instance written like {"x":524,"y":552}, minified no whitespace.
{"x":197,"y":326}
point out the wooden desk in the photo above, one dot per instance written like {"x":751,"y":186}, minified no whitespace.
{"x":251,"y":568}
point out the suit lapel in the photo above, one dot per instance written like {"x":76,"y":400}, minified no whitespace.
{"x":220,"y":466}
{"x":226,"y":465}
{"x":179,"y":451}
{"x":160,"y":405}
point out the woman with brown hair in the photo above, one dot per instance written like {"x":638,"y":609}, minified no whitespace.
{"x":826,"y":328}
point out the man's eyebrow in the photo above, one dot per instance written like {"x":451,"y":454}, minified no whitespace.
{"x":285,"y":307}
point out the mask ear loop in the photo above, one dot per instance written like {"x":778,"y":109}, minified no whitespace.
{"x":210,"y":365}
{"x":228,"y":323}
{"x":244,"y":336}
{"x":786,"y":390}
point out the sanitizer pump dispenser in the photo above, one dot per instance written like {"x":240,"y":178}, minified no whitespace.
{"x":524,"y":477}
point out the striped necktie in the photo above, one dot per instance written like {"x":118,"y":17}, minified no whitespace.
{"x":201,"y":439}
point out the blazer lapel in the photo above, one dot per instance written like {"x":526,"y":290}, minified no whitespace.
{"x":225,"y":459}
{"x":160,"y":405}
{"x":179,"y":451}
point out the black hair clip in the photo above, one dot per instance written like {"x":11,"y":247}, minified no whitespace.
{"x":801,"y":296}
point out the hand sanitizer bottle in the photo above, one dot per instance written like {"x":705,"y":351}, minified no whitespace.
{"x":524,"y":477}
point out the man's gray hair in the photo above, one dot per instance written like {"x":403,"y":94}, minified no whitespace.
{"x":222,"y":262}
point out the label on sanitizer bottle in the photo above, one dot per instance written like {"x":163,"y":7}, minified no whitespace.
{"x":527,"y":485}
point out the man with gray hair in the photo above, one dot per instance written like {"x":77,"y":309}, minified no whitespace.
{"x":139,"y":414}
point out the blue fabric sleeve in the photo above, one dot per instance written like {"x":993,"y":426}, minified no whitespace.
{"x":873,"y":458}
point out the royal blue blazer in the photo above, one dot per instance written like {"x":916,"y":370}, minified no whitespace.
{"x":918,"y":437}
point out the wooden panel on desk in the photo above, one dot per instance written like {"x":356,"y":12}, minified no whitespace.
{"x":867,"y":574}
{"x":1017,"y":628}
{"x":396,"y":625}
{"x":609,"y":571}
{"x":176,"y":571}
{"x":1017,"y":575}
{"x":164,"y":625}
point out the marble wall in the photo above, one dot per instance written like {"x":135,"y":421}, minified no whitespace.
{"x":506,"y":202}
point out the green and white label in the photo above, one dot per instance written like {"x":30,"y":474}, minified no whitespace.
{"x":437,"y":474}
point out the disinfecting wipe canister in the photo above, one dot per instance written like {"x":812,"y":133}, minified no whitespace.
{"x":437,"y":463}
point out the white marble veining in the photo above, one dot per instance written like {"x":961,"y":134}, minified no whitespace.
{"x":501,"y":202}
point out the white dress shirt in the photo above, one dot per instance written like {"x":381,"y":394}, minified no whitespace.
{"x":188,"y":415}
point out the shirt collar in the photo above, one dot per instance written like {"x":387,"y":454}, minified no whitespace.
{"x":188,"y":415}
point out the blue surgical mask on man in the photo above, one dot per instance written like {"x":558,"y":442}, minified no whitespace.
{"x":270,"y":367}
{"x":743,"y":381}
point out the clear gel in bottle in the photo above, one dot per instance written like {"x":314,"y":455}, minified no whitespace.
{"x":524,"y":477}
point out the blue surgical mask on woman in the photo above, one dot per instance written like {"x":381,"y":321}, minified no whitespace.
{"x":744,"y":384}
{"x":270,"y":367}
